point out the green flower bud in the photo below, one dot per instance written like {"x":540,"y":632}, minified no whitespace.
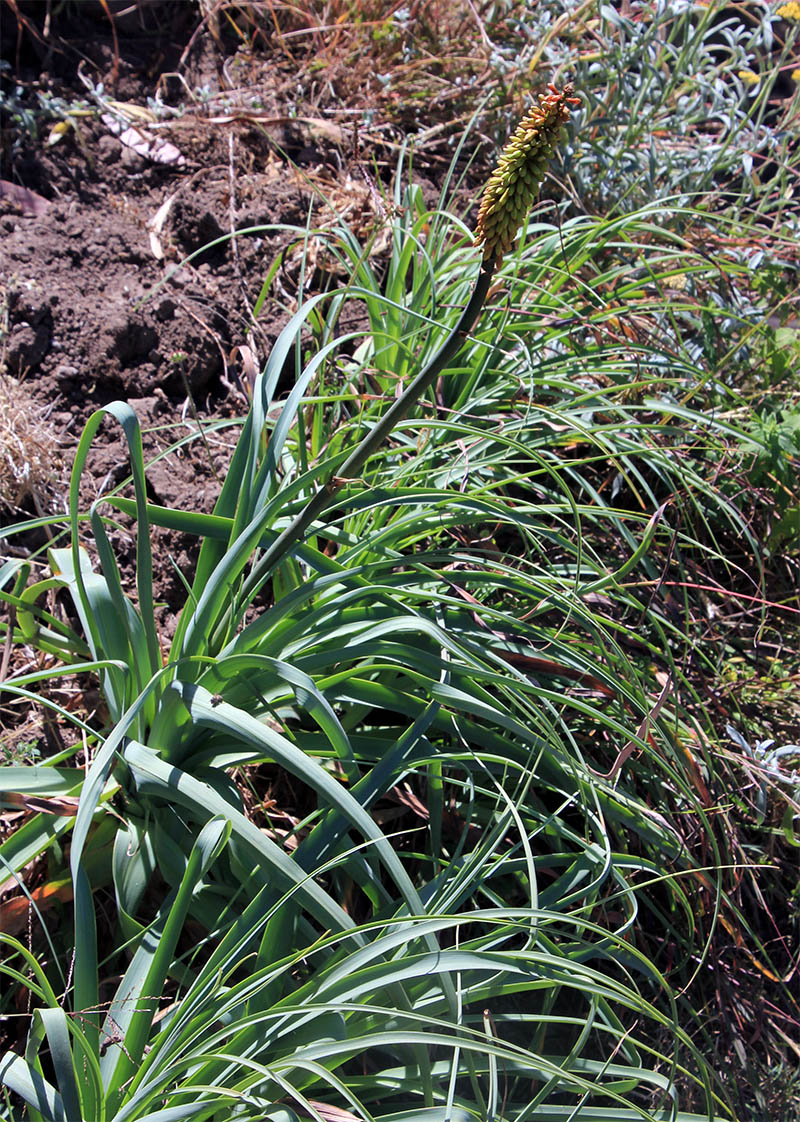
{"x":519,"y":172}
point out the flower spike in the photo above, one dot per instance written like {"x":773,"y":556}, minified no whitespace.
{"x":519,"y":172}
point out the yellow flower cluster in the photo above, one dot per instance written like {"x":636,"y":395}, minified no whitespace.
{"x":749,"y":77}
{"x":519,"y":172}
{"x":790,"y":11}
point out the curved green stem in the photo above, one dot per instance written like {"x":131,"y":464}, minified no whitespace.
{"x":396,"y":411}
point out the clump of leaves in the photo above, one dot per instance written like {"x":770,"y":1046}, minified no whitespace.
{"x":350,"y":626}
{"x":772,"y":454}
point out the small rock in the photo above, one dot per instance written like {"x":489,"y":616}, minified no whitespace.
{"x":165,"y":310}
{"x":180,"y":278}
{"x":131,"y":160}
{"x":30,"y":307}
{"x":27,"y":346}
{"x":109,"y":149}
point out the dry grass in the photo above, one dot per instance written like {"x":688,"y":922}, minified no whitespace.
{"x":30,"y":464}
{"x":422,"y":67}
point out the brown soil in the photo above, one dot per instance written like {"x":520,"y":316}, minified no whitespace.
{"x":114,"y":281}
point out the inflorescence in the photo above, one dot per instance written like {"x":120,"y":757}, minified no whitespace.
{"x":520,"y":171}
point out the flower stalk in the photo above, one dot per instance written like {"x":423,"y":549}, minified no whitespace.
{"x":506,"y":199}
